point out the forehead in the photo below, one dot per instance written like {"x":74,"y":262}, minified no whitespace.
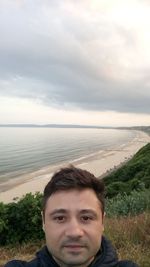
{"x":73,"y":200}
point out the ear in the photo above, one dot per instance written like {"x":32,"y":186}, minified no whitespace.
{"x":43,"y":221}
{"x":103,"y":220}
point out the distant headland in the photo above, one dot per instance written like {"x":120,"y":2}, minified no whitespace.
{"x":138,"y":128}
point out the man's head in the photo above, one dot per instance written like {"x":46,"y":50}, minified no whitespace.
{"x":74,"y":178}
{"x":73,"y":210}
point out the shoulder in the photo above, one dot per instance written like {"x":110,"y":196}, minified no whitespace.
{"x":19,"y":263}
{"x":15,"y":263}
{"x":127,"y":263}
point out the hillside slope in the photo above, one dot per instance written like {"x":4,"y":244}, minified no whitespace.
{"x":134,"y":175}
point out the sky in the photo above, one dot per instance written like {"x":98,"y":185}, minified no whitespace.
{"x":75,"y":62}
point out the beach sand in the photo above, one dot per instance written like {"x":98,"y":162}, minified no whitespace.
{"x":99,"y":164}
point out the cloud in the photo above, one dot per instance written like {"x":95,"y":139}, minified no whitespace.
{"x":68,"y":54}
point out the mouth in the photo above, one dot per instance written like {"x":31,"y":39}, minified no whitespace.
{"x":74,"y":247}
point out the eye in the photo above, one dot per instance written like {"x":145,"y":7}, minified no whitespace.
{"x":59,"y":219}
{"x":86,"y":218}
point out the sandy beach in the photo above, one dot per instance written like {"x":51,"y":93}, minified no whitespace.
{"x":99,"y":164}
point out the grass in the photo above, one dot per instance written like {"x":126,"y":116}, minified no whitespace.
{"x":130,"y":236}
{"x":23,"y":252}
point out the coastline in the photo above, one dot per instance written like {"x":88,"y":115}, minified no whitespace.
{"x":99,"y":164}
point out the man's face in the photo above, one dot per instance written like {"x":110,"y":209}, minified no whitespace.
{"x":73,"y":226}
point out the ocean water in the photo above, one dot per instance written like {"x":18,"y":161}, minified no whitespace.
{"x":25,"y":150}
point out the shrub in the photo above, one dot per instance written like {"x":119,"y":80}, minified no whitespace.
{"x":116,"y":187}
{"x":21,"y":221}
{"x":123,"y":204}
{"x":135,"y":174}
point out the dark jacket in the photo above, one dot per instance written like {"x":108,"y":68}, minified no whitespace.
{"x":106,"y":257}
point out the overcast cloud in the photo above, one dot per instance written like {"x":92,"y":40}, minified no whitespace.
{"x":87,"y":55}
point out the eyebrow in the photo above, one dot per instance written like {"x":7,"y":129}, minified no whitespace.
{"x":57,"y":211}
{"x":89,"y":211}
{"x":64,"y":211}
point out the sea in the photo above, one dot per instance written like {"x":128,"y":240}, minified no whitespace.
{"x":27,"y":150}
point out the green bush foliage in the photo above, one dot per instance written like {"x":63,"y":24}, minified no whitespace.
{"x":124,"y":205}
{"x":21,"y":221}
{"x":134,"y":175}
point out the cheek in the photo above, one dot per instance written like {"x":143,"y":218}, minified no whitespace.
{"x":53,"y":232}
{"x":51,"y":237}
{"x":97,"y":230}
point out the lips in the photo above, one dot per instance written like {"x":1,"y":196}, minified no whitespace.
{"x":74,"y":247}
{"x":74,"y":244}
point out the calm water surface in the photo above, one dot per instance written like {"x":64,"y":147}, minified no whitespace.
{"x":23,"y":150}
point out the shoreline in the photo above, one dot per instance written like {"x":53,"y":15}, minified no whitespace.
{"x":99,"y":164}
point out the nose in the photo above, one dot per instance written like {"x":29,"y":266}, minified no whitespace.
{"x":74,"y":229}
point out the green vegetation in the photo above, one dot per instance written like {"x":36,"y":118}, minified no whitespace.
{"x":125,"y":205}
{"x":21,"y":222}
{"x":134,"y":175}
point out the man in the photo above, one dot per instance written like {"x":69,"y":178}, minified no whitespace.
{"x":73,"y":222}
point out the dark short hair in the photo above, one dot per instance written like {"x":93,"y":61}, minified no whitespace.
{"x":74,"y":178}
